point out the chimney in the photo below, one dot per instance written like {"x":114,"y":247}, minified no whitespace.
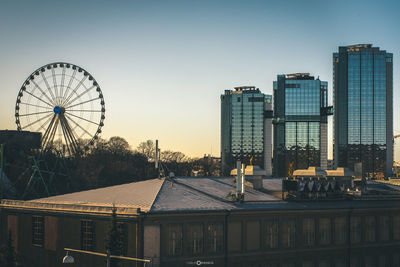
{"x":238,"y":179}
{"x":240,"y":176}
{"x":243,"y":174}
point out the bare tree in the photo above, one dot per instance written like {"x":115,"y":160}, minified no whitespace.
{"x":170,"y":156}
{"x":118,"y":144}
{"x":147,"y":148}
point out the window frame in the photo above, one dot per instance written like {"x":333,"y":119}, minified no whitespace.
{"x":38,"y":231}
{"x":88,"y":235}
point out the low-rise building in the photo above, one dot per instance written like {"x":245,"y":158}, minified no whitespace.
{"x":193,"y":222}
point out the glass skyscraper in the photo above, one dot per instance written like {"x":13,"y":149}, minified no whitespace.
{"x":363,"y":101}
{"x":300,"y":122}
{"x":246,"y":128}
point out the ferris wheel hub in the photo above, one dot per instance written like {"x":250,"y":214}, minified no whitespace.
{"x":57,"y":110}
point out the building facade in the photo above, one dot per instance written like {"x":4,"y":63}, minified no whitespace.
{"x":300,"y":122}
{"x":363,"y":101}
{"x":246,"y":129}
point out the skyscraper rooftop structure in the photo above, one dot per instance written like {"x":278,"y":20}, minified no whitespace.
{"x":363,"y":101}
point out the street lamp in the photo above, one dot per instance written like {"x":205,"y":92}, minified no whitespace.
{"x":69,"y":259}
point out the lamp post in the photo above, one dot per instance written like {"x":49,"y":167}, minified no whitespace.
{"x":69,"y":259}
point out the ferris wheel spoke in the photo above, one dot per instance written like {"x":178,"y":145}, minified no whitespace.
{"x":54,"y":130}
{"x":90,"y":100}
{"x":66,"y":140}
{"x":45,"y":122}
{"x":79,"y":96}
{"x":62,"y":82}
{"x":36,"y":113}
{"x":39,"y":99}
{"x":73,"y":135}
{"x":55,"y":85}
{"x":32,"y":105}
{"x":74,"y":91}
{"x":41,"y":90}
{"x":83,"y":110}
{"x":69,"y":85}
{"x":48,"y":135}
{"x":69,"y":134}
{"x":32,"y":123}
{"x":82,"y":118}
{"x":48,"y":88}
{"x":77,"y":124}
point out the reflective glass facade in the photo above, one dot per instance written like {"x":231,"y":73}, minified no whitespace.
{"x":298,"y":124}
{"x":363,"y":127}
{"x":242,"y":127}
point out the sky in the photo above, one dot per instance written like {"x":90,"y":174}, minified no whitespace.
{"x":162,"y":65}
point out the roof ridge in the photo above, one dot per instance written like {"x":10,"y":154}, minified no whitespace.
{"x":158,"y":194}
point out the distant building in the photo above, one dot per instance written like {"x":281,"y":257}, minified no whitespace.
{"x":331,"y":164}
{"x":300,"y":122}
{"x":246,"y":129}
{"x":363,"y":100}
{"x":191,"y":222}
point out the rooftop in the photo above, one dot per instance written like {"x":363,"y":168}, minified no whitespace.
{"x":243,"y":88}
{"x":359,"y":46}
{"x":186,"y":194}
{"x":299,"y":76}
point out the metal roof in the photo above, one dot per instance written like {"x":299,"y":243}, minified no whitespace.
{"x":185,"y":194}
{"x":134,"y":195}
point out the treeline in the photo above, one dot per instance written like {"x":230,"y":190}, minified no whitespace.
{"x":106,"y":163}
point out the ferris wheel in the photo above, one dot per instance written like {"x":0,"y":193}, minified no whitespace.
{"x":63,"y":102}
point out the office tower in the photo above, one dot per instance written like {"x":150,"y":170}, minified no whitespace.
{"x":246,"y":128}
{"x":363,"y":121}
{"x":300,"y":122}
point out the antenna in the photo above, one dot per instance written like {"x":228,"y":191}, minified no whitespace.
{"x":156,"y":156}
{"x":157,"y":162}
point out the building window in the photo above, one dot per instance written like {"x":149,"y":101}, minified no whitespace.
{"x":307,"y":264}
{"x":309,"y":231}
{"x":122,"y":231}
{"x":324,"y":263}
{"x":174,"y":239}
{"x":355,"y":229}
{"x":88,"y":235}
{"x":288,"y":264}
{"x":195,"y":238}
{"x":396,"y":227}
{"x":215,"y":237}
{"x":396,"y":259}
{"x":354,"y":261}
{"x":340,"y":263}
{"x":37,"y":231}
{"x":384,"y":228}
{"x":324,"y":231}
{"x":288,"y":232}
{"x":271,"y":234}
{"x":370,"y":228}
{"x":234,"y":236}
{"x":370,"y":261}
{"x":340,"y":230}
